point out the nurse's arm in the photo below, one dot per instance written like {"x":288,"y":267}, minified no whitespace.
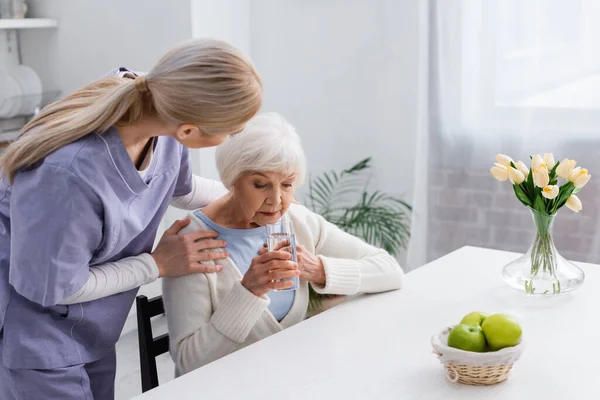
{"x":203,"y":192}
{"x":115,"y":277}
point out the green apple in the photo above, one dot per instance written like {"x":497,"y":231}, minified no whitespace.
{"x":475,"y":318}
{"x":468,"y":338}
{"x":501,"y":331}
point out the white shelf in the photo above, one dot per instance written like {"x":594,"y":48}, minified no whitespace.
{"x":28,"y":23}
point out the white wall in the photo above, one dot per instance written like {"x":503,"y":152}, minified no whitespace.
{"x":95,"y":36}
{"x":345,"y":73}
{"x":227,"y":20}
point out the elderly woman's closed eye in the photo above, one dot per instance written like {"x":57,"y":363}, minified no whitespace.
{"x":212,"y":315}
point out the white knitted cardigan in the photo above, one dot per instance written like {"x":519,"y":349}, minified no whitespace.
{"x":213,"y":315}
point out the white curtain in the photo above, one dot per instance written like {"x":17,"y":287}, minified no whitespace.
{"x":514,"y":77}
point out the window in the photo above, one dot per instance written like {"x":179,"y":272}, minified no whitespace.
{"x":536,"y":60}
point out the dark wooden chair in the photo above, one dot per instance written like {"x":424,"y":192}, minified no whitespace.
{"x":150,"y":347}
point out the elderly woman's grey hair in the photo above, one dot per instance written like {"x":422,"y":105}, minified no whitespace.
{"x":268,"y":143}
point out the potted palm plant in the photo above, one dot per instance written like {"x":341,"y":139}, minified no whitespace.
{"x":344,"y":199}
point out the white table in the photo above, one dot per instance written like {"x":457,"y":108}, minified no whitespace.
{"x":377,"y":346}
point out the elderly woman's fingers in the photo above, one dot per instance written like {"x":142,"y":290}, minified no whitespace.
{"x":275,"y":265}
{"x":285,"y":246}
{"x":273,"y":255}
{"x":281,"y":274}
{"x":264,"y":251}
{"x":280,"y":285}
{"x":268,"y":268}
{"x":279,"y":246}
{"x":282,"y":244}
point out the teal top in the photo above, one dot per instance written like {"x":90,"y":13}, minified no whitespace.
{"x":243,"y":246}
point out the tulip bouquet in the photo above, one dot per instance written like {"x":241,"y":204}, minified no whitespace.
{"x":538,"y":188}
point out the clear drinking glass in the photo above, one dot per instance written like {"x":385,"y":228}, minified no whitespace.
{"x":281,"y":231}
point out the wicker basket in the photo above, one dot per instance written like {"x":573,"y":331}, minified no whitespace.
{"x":470,"y":368}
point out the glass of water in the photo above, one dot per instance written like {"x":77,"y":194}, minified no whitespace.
{"x":281,"y":231}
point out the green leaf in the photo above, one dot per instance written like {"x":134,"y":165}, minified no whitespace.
{"x":539,"y":204}
{"x":553,"y":170}
{"x":378,"y":220}
{"x":359,"y":166}
{"x":576,"y":190}
{"x":327,"y":192}
{"x":552,"y":175}
{"x":523,"y":198}
{"x":530,"y":185}
{"x":564,"y":193}
{"x":376,"y":217}
{"x":314,"y":299}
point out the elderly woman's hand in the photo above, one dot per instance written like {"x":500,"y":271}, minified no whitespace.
{"x":267,"y":270}
{"x":311,"y":267}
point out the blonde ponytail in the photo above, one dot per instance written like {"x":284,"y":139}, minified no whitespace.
{"x":207,"y":83}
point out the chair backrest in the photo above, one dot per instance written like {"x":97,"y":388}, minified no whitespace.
{"x":150,"y":347}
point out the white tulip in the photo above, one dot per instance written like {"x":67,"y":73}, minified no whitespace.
{"x":550,"y":191}
{"x":503,"y":159}
{"x":536,"y":162}
{"x":499,"y":171}
{"x":549,"y":160}
{"x":579,"y":176}
{"x":515,"y":176}
{"x":574,"y":204}
{"x":541,"y":177}
{"x":522,"y":167}
{"x":565,"y":168}
{"x":574,"y":174}
{"x":582,"y":180}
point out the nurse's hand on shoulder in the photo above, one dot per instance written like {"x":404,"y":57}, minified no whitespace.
{"x":177,"y":255}
{"x":267,"y":270}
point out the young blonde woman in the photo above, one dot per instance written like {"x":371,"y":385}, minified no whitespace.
{"x":84,"y":189}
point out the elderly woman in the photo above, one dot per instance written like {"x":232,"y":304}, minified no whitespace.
{"x":211,"y":315}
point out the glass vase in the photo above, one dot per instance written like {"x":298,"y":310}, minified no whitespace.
{"x":542,"y":271}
